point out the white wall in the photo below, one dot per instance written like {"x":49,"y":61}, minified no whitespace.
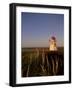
{"x":4,"y":44}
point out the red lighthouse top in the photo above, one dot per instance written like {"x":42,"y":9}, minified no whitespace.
{"x":53,"y":38}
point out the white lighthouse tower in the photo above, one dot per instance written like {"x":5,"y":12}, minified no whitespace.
{"x":52,"y":44}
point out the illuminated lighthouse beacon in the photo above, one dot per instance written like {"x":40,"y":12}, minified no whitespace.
{"x":52,"y":44}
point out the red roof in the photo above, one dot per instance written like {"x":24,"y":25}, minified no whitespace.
{"x":54,"y":38}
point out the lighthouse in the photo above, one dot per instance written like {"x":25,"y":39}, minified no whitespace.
{"x":52,"y":44}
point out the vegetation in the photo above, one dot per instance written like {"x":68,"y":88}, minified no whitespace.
{"x":42,"y":62}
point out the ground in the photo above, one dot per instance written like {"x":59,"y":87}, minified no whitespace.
{"x":42,"y":62}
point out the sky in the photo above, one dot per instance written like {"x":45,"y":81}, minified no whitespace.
{"x":38,"y":28}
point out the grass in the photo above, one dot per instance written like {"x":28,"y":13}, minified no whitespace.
{"x":42,"y":62}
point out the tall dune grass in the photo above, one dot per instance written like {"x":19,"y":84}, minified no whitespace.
{"x":41,"y":62}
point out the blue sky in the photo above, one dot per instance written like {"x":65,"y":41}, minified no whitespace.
{"x":37,"y":28}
